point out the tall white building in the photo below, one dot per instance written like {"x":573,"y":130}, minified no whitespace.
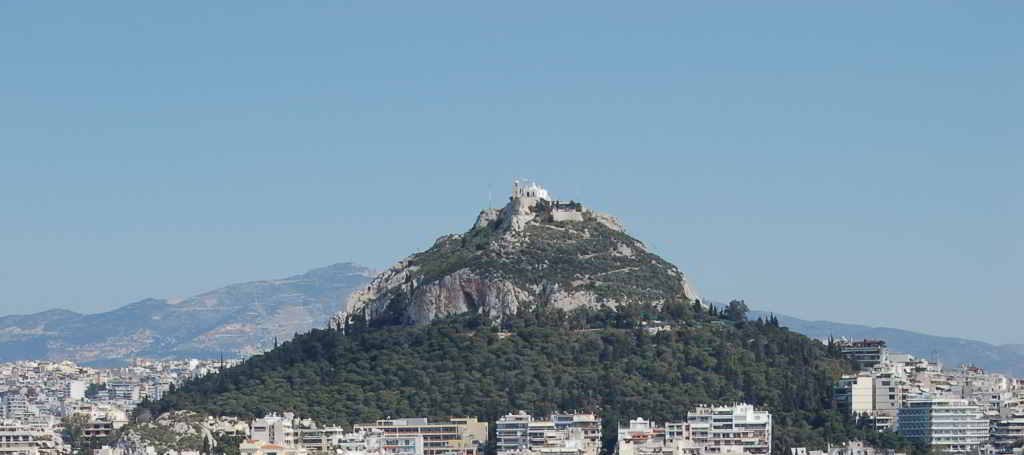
{"x":276,"y":429}
{"x":513,"y":432}
{"x":855,"y":393}
{"x":948,"y":425}
{"x":722,"y":429}
{"x":74,"y":390}
{"x":15,"y":406}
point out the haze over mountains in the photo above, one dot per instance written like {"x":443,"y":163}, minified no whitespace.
{"x":534,"y":251}
{"x":951,"y":351}
{"x":237,"y":320}
{"x":242,"y":319}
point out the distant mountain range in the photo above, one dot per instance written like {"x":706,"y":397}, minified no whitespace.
{"x":236,"y":320}
{"x":952,"y":352}
{"x":243,"y":319}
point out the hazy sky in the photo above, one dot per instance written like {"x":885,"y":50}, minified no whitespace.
{"x":846,"y":161}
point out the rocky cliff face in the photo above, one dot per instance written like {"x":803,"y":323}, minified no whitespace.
{"x":534,"y":251}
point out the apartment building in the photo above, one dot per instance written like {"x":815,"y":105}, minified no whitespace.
{"x":362,"y":443}
{"x":721,"y":429}
{"x":276,"y":429}
{"x":457,"y":436}
{"x":257,"y":447}
{"x":889,"y":395}
{"x":643,"y":437}
{"x":560,"y":433}
{"x":865,"y":353}
{"x":74,"y":390}
{"x":512,"y":432}
{"x":1009,"y":432}
{"x":102,"y":428}
{"x":320,"y":439}
{"x":588,"y":424}
{"x":17,"y":438}
{"x":855,"y":393}
{"x":15,"y":406}
{"x":948,"y":425}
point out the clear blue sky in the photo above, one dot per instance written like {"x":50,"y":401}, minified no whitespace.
{"x":846,"y":161}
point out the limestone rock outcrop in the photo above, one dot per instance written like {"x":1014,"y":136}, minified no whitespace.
{"x":534,"y":251}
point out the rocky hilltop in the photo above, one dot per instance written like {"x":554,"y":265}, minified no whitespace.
{"x":534,"y":251}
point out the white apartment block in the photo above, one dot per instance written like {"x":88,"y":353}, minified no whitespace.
{"x":739,"y":429}
{"x":948,"y":425}
{"x":457,"y":436}
{"x":888,"y":397}
{"x":643,"y":437}
{"x":17,"y":438}
{"x":15,"y":406}
{"x":321,"y":439}
{"x":560,"y":433}
{"x":855,"y":393}
{"x":74,"y":390}
{"x":276,"y":430}
{"x":513,"y":432}
{"x":720,"y":429}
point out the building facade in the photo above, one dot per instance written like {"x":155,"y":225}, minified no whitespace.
{"x":948,"y":425}
{"x":720,"y":429}
{"x":276,"y":429}
{"x":457,"y":436}
{"x":560,"y":433}
{"x":17,"y":438}
{"x":865,"y":353}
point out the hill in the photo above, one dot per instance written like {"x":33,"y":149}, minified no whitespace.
{"x":1008,"y":359}
{"x":541,"y":306}
{"x":535,"y":250}
{"x":540,"y":360}
{"x":236,"y":320}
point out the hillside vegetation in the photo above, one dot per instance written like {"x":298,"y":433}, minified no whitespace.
{"x":543,"y":360}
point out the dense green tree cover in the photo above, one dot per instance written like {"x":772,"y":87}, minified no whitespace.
{"x":94,"y":389}
{"x":609,"y":361}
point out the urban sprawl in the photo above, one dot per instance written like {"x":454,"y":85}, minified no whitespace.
{"x":962,"y":410}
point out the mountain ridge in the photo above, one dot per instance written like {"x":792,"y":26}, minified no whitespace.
{"x":235,"y":320}
{"x":952,"y":351}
